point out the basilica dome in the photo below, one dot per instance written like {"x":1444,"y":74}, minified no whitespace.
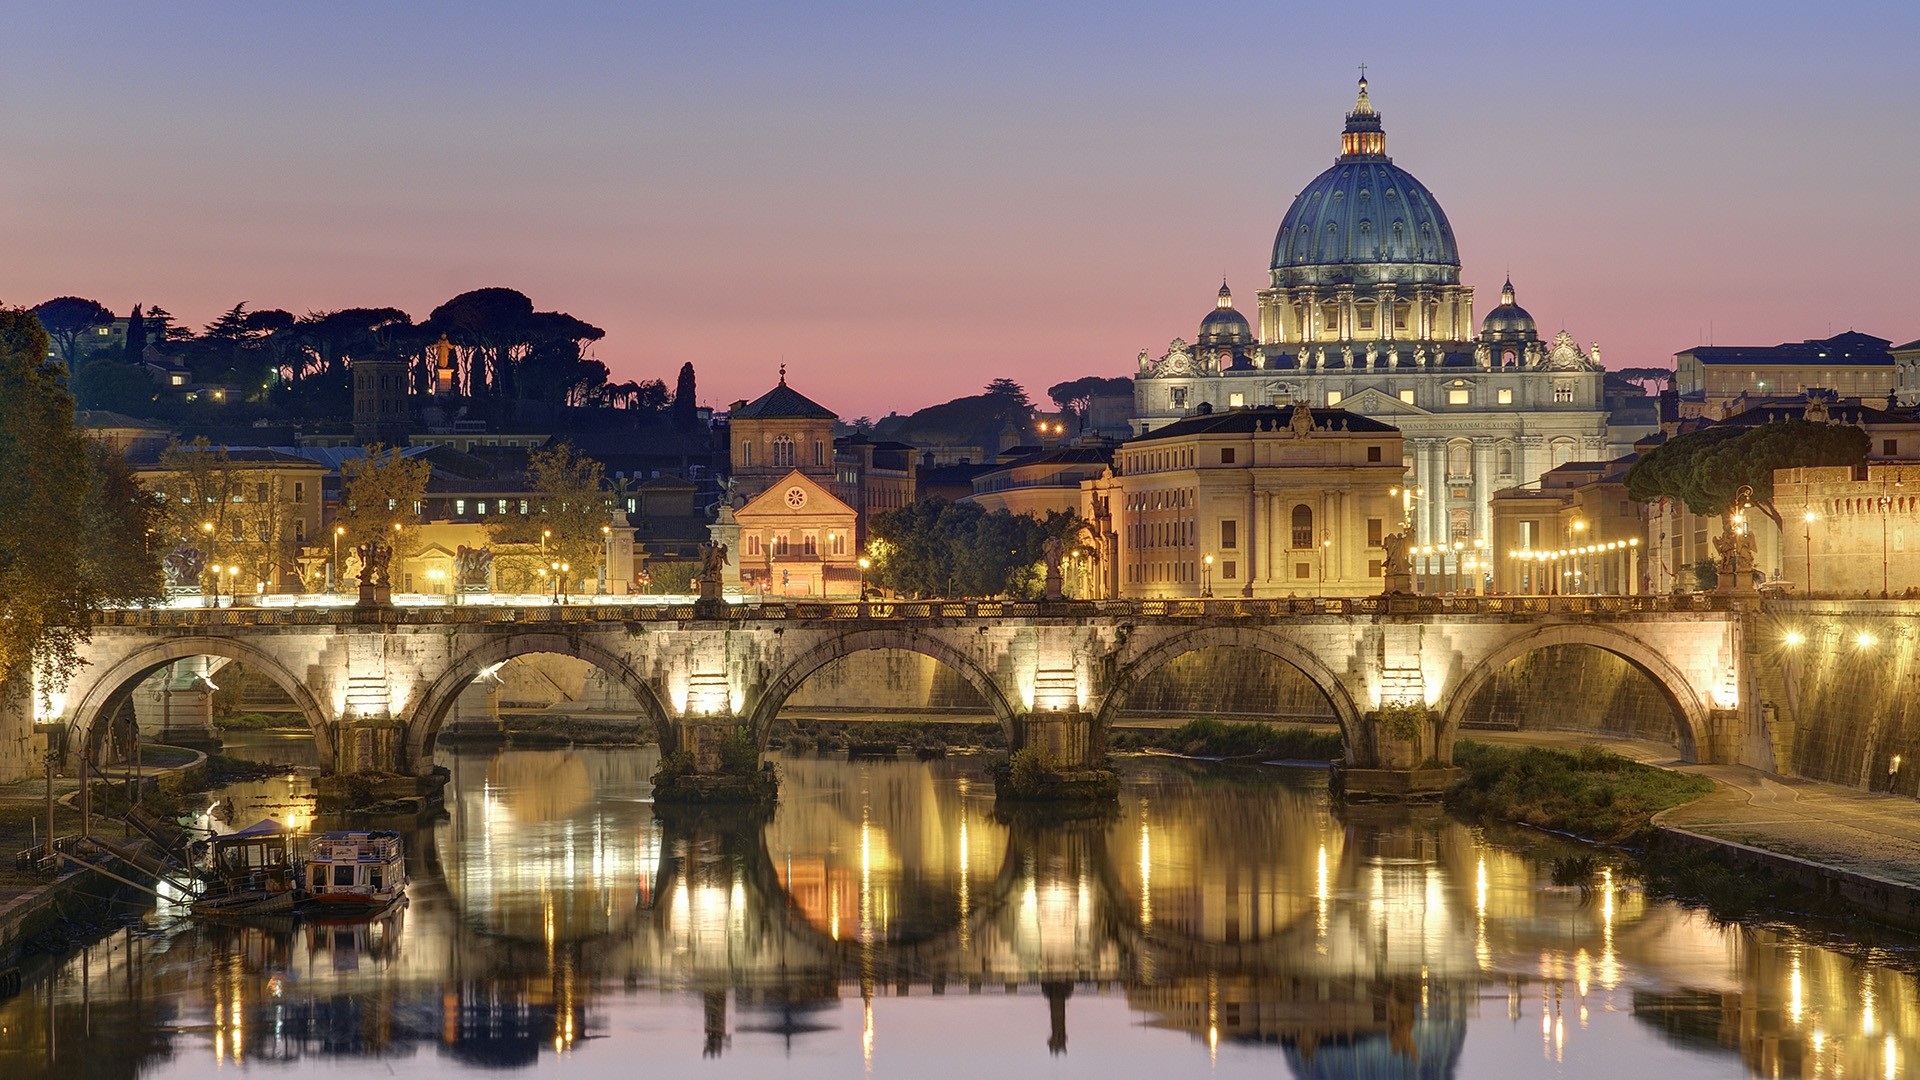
{"x":1223,"y":325}
{"x":1509,"y":320}
{"x":1365,"y":220}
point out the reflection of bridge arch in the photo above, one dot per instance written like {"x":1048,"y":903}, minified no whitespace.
{"x":423,"y":724}
{"x":1130,"y":672}
{"x":111,"y":689}
{"x":1689,"y":711}
{"x":904,"y":639}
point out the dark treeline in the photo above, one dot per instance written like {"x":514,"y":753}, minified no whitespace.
{"x":508,"y":361}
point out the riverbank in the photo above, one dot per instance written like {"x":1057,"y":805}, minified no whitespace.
{"x":1755,"y":841}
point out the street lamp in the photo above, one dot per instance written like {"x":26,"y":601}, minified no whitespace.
{"x":1206,"y":578}
{"x":333,"y":569}
{"x":231,"y":571}
{"x":1808,"y":519}
{"x":214,"y":573}
{"x":865,"y":564}
{"x":1326,"y":550}
{"x":559,"y":575}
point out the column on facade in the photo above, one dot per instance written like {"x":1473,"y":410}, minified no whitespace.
{"x":1255,"y":537}
{"x":1383,"y":296}
{"x":1422,"y":328}
{"x":1438,"y":493}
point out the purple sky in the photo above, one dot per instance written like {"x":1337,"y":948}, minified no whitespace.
{"x":904,"y":202}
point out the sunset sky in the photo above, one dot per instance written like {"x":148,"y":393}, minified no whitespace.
{"x":904,"y":201}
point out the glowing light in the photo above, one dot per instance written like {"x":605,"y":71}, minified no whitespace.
{"x":1794,"y":637}
{"x":1865,"y":639}
{"x":1796,"y":1001}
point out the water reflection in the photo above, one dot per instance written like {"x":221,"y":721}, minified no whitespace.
{"x":886,"y":919}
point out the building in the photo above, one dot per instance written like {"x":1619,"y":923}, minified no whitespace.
{"x":1708,"y":378}
{"x":1680,"y":540}
{"x":778,"y":433}
{"x":257,"y":509}
{"x":381,"y":409}
{"x":873,"y":477}
{"x":1576,"y":532}
{"x":1262,"y":501}
{"x":1850,"y":532}
{"x":796,"y":540}
{"x":1041,"y":483}
{"x":1364,"y":311}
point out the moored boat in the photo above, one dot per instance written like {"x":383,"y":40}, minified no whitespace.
{"x":250,"y":872}
{"x":354,"y":870}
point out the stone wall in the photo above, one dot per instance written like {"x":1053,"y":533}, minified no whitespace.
{"x":1229,"y":683}
{"x":1840,"y":688}
{"x":886,"y":680}
{"x":1574,"y":688}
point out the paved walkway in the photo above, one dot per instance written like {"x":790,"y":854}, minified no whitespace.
{"x":1872,"y":834}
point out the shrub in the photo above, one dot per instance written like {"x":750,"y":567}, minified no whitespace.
{"x":1590,"y":793}
{"x":1030,"y":770}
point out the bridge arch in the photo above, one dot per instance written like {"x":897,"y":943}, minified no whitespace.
{"x":108,"y":691}
{"x":423,"y":723}
{"x":767,"y":704}
{"x":1672,"y":683}
{"x":1130,"y":672}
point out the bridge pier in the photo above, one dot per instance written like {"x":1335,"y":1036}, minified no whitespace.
{"x":1058,"y":754}
{"x":713,"y":759}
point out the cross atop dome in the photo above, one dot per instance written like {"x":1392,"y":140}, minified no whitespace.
{"x":1363,"y":137}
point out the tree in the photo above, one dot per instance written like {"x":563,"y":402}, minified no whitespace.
{"x":685,"y":410}
{"x":136,"y":345}
{"x":50,"y":584}
{"x":933,"y":547}
{"x":104,"y":381}
{"x":568,"y":522}
{"x":1708,"y":469}
{"x":230,"y":511}
{"x":1075,"y":396}
{"x":68,"y":319}
{"x":1007,"y":388}
{"x":122,"y":518}
{"x":379,"y":491}
{"x":1650,"y":379}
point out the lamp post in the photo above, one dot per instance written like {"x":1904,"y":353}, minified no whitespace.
{"x":606,"y":559}
{"x":1206,"y":578}
{"x":1808,"y":519}
{"x":1886,"y":510}
{"x":231,"y":571}
{"x":559,"y":576}
{"x":1326,"y":552}
{"x":865,"y":565}
{"x":333,"y":568}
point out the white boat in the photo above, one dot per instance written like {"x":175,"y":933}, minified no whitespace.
{"x":353,"y":870}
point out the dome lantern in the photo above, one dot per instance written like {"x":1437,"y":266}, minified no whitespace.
{"x":1363,"y":137}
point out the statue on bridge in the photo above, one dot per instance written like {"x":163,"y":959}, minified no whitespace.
{"x":1054,"y":552}
{"x":710,"y":583}
{"x":375,"y":555}
{"x":182,"y":566}
{"x":1397,"y":575}
{"x":1734,"y":565}
{"x":471,"y":566}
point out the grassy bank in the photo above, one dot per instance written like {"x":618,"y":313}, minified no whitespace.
{"x":1217,"y":738}
{"x":925,"y":738}
{"x":1591,"y":794}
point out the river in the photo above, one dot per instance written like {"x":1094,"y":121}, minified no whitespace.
{"x":884,"y":923}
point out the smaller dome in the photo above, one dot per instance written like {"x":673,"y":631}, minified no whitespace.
{"x":1509,"y":320}
{"x":1223,"y":325}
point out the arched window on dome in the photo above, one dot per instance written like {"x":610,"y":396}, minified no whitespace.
{"x":782,"y":451}
{"x":1332,"y":250}
{"x":1399,"y":239}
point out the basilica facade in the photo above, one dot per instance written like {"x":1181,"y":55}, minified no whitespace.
{"x":1364,"y":311}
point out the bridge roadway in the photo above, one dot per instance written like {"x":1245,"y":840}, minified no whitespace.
{"x":376,"y":684}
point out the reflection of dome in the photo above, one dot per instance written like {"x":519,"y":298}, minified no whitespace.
{"x":1367,"y":212}
{"x":1223,"y":325}
{"x":1509,"y":321}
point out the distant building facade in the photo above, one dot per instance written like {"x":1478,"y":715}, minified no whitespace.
{"x":1708,"y":378}
{"x":1364,"y":311}
{"x":1260,"y":502}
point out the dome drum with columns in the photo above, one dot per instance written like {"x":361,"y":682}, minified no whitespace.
{"x":1364,"y":310}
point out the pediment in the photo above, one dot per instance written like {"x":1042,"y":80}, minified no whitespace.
{"x":1376,"y":402}
{"x":775,"y":501}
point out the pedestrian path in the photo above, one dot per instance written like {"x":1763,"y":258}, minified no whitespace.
{"x":1866,"y":833}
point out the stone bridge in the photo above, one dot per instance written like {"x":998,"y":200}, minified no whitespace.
{"x":377,"y":684}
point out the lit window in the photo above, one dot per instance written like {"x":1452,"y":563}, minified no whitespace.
{"x":1459,"y":397}
{"x":1563,"y":394}
{"x":1236,"y":401}
{"x":1406,"y":396}
{"x":1505,"y":397}
{"x":460,"y":506}
{"x":1333,"y":398}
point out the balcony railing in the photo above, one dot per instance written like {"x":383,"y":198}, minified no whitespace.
{"x":925,"y":610}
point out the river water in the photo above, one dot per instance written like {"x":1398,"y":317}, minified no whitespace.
{"x":884,"y":923}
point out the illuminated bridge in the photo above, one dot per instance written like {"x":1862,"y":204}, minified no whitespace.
{"x":377,"y":684}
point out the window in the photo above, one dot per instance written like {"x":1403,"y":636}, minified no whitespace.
{"x":1236,"y":400}
{"x":299,"y":491}
{"x":1459,"y":459}
{"x":1563,"y":394}
{"x":1373,"y":453}
{"x":1504,"y":459}
{"x":810,"y":544}
{"x":1228,"y":569}
{"x":1333,"y":398}
{"x":1302,"y":571}
{"x":839,"y":543}
{"x":523,"y":508}
{"x":782,"y":451}
{"x":1376,"y":531}
{"x":1374,"y":568}
{"x":746,"y":455}
{"x":1504,"y":397}
{"x":503,"y":506}
{"x":1229,"y":534}
{"x":779,"y":544}
{"x":1226,"y":455}
{"x":1889,"y":447}
{"x":1459,"y":396}
{"x":1302,"y":526}
{"x":343,"y":874}
{"x":1179,"y":397}
{"x":819,"y":453}
{"x":1406,"y":396}
{"x":459,"y":507}
{"x":299,"y":530}
{"x":753,"y":544}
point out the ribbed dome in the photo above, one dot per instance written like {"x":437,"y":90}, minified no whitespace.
{"x":1509,"y":320}
{"x":1365,"y":220}
{"x":1223,"y":325}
